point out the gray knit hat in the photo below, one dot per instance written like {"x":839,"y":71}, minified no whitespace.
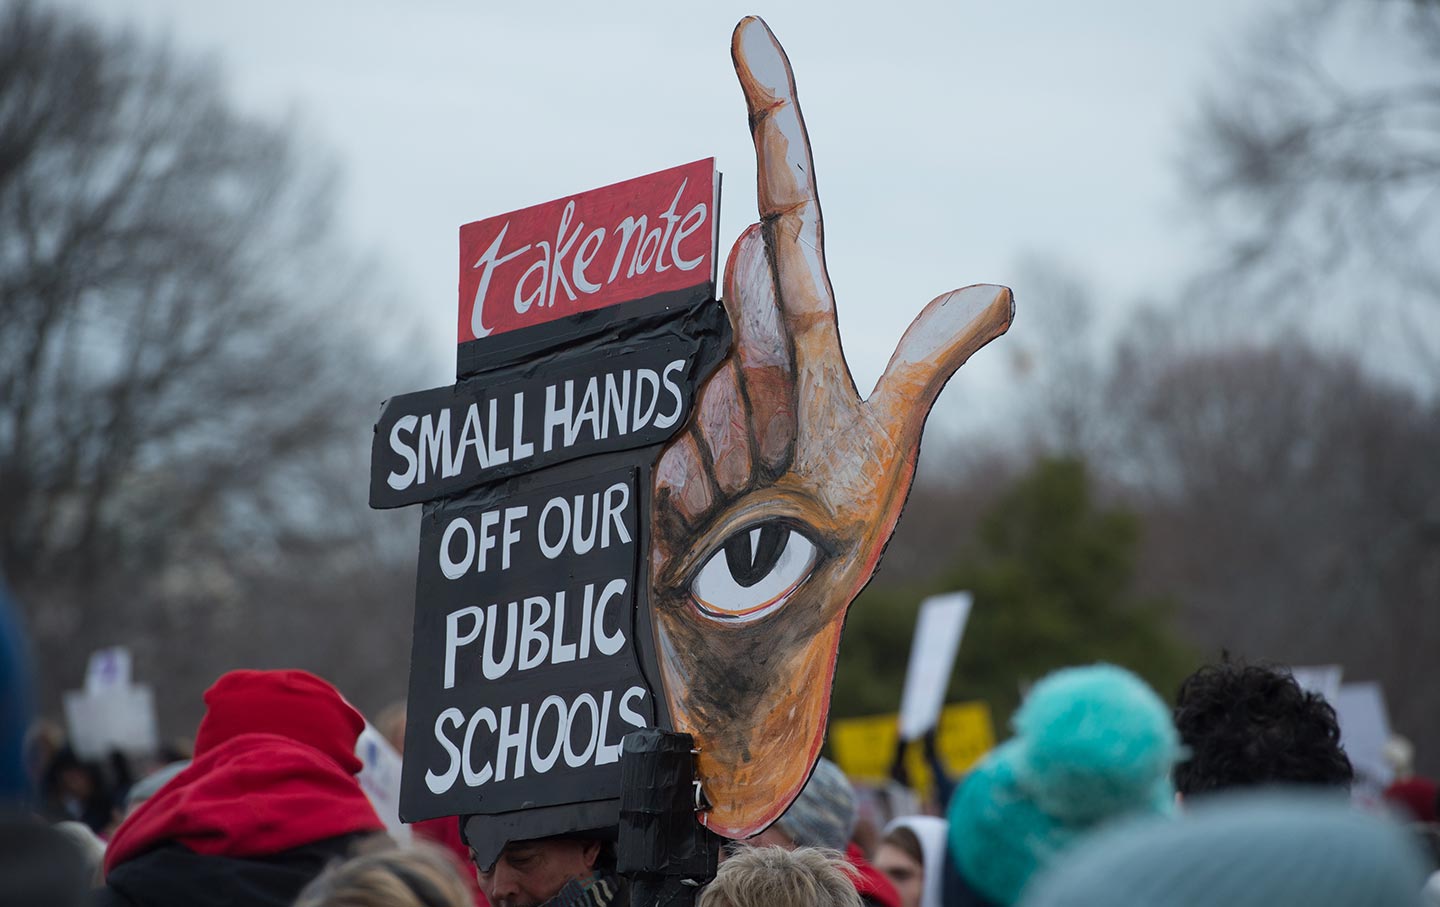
{"x":150,"y":785}
{"x":1248,"y":850}
{"x":824,"y":813}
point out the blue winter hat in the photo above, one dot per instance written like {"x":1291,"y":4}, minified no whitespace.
{"x":1091,"y":744}
{"x":1294,"y":849}
{"x":15,"y":705}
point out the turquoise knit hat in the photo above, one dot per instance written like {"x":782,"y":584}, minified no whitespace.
{"x":1271,"y":849}
{"x":1091,"y":744}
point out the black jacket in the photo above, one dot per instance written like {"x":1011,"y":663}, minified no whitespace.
{"x":956,"y":890}
{"x":172,"y":876}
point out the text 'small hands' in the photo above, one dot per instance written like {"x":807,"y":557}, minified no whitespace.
{"x":772,"y":510}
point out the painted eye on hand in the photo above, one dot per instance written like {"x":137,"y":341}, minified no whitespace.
{"x":753,"y":572}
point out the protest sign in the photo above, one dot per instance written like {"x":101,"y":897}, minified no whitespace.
{"x":379,"y":777}
{"x":865,"y":747}
{"x":111,"y":714}
{"x":1364,"y":730}
{"x":586,"y":326}
{"x":1322,"y":679}
{"x":938,"y":629}
{"x":774,"y":507}
{"x":629,"y":521}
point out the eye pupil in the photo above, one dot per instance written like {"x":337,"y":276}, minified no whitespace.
{"x":752,"y":555}
{"x":761,"y":566}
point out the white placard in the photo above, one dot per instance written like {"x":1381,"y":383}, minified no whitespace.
{"x":119,"y":718}
{"x":380,"y":779}
{"x":1364,"y":730}
{"x":110,"y":713}
{"x":938,"y":629}
{"x":1322,"y":679}
{"x":108,"y":669}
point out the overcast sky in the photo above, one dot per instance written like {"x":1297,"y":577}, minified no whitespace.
{"x":951,"y":139}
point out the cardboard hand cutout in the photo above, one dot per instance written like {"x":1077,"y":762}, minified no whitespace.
{"x":642,"y":508}
{"x":771,"y":511}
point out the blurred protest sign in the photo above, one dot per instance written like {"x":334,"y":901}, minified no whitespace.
{"x":1364,"y":725}
{"x":1322,"y":679}
{"x":938,"y":629}
{"x":110,"y":713}
{"x":1364,"y":731}
{"x":865,"y":747}
{"x":380,"y":779}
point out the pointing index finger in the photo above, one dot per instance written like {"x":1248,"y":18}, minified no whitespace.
{"x":789,"y":207}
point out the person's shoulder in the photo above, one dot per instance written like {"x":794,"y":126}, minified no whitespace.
{"x":106,"y":896}
{"x":175,"y":875}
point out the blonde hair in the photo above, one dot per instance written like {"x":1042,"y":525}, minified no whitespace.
{"x":776,"y":877}
{"x":418,"y":876}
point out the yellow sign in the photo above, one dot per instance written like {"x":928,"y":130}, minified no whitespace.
{"x":865,"y":747}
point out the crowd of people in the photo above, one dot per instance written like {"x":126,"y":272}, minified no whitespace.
{"x":1105,"y":794}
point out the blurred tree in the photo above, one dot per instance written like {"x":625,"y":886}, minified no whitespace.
{"x":185,"y":377}
{"x":1053,"y":577}
{"x":1317,"y":162}
{"x":1291,"y":500}
{"x":1057,"y":360}
{"x":1270,"y":437}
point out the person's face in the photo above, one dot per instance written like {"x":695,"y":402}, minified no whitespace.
{"x":76,"y":782}
{"x":905,"y":874}
{"x":529,"y":873}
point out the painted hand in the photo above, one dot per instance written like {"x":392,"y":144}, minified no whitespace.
{"x":773,"y":507}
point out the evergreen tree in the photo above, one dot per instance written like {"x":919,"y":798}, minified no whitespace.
{"x":1053,"y":577}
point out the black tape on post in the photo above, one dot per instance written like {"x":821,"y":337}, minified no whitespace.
{"x":663,"y":850}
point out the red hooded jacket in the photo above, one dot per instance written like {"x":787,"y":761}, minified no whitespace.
{"x":873,"y":887}
{"x":274,"y":769}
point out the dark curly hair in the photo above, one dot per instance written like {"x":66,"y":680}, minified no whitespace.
{"x":1248,"y":725}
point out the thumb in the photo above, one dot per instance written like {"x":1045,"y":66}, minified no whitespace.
{"x":938,"y":341}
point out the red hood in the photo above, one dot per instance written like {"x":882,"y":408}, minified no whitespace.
{"x":274,"y":769}
{"x":869,"y":882}
{"x":255,"y":795}
{"x":294,"y":704}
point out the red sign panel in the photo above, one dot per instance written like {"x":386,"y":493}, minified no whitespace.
{"x":648,"y":235}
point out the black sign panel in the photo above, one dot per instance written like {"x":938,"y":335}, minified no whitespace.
{"x":445,"y":440}
{"x":525,"y":676}
{"x":533,"y":652}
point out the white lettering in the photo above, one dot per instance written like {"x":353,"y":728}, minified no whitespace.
{"x":583,"y":259}
{"x":572,"y":758}
{"x":537,"y":613}
{"x":632,"y":717}
{"x":606,"y":643}
{"x":495,"y":669}
{"x":434,"y":444}
{"x":472,"y":777}
{"x":667,"y":420}
{"x":670,"y":218}
{"x":401,"y":481}
{"x":696,"y":213}
{"x":544,"y":763}
{"x":451,"y":568}
{"x":453,"y":640}
{"x":519,"y":448}
{"x":512,"y":739}
{"x":492,"y":259}
{"x":439,"y":784}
